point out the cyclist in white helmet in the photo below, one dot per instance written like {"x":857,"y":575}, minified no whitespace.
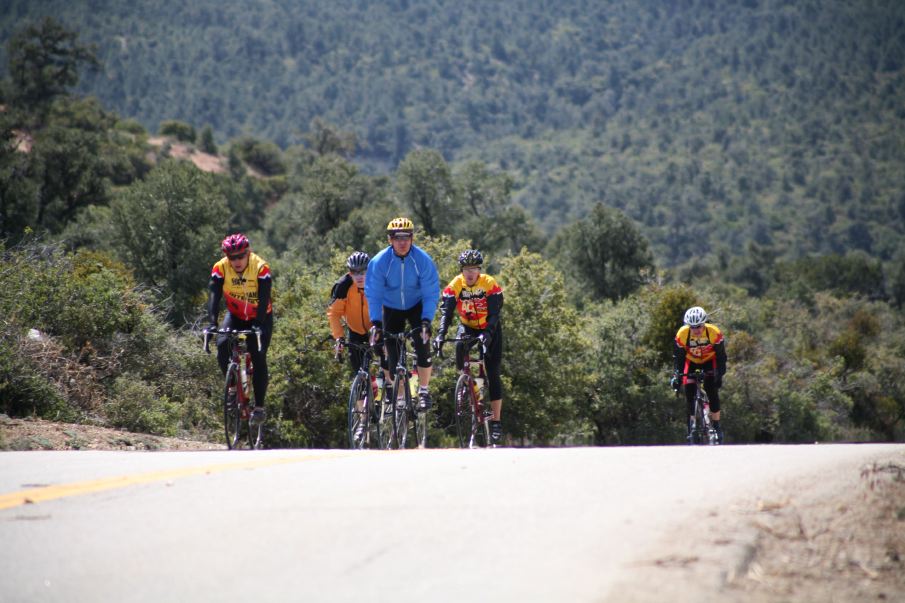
{"x":700,"y":345}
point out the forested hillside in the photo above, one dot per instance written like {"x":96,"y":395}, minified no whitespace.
{"x":713,"y":125}
{"x":776,"y":201}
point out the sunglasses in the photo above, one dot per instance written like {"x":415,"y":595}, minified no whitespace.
{"x":401,"y":237}
{"x":235,"y":258}
{"x":358,"y":272}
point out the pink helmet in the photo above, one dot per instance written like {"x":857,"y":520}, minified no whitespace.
{"x":234,"y":243}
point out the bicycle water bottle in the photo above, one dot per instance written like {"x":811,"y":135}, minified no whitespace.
{"x":374,"y":389}
{"x":379,"y":384}
{"x":413,"y":384}
{"x":478,"y":385}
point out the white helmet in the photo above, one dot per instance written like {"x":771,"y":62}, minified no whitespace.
{"x":695,"y":316}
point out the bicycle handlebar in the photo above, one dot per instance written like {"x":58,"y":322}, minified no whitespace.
{"x":230,"y":332}
{"x":464,"y":338}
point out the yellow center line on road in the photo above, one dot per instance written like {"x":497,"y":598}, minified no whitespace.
{"x":45,"y":493}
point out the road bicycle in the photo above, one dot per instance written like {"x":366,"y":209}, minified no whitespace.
{"x":472,"y":413}
{"x":368,"y":425}
{"x":237,"y":392}
{"x":406,"y":414}
{"x":702,"y":431}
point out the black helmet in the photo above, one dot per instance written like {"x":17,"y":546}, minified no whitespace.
{"x":358,"y":261}
{"x":471,"y":257}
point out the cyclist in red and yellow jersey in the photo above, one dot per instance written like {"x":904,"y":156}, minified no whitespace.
{"x":478,"y":300}
{"x":243,"y":280}
{"x":700,"y":345}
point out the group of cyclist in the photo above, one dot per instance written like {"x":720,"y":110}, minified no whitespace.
{"x":400,"y":286}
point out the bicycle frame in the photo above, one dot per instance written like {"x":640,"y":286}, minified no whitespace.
{"x":361,"y":409}
{"x":466,"y":385}
{"x":239,"y":373}
{"x":402,"y":392}
{"x":702,"y":431}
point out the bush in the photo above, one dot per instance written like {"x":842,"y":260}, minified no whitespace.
{"x":177,"y":129}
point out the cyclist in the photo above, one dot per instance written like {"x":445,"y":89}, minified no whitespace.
{"x":348,"y":305}
{"x":244,"y":280}
{"x":478,"y":299}
{"x":700,"y":345}
{"x":403,"y":285}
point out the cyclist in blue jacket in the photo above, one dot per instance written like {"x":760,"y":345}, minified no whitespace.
{"x":403,"y":286}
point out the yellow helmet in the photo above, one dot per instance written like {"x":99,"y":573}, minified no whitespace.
{"x":400,"y":225}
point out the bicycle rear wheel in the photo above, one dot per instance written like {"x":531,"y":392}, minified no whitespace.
{"x":469,"y":429}
{"x":402,"y":399}
{"x":231,"y":416}
{"x":359,"y":412}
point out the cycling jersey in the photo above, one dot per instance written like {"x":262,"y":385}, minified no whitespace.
{"x":242,"y":292}
{"x":708,"y":347}
{"x":347,"y":302}
{"x":478,"y":306}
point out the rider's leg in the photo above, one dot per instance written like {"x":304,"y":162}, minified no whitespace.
{"x":223,"y":343}
{"x":493,"y":361}
{"x":261,"y":377}
{"x":689,"y":403}
{"x":713,"y":395}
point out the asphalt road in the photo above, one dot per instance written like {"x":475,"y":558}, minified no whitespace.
{"x":435,"y":525}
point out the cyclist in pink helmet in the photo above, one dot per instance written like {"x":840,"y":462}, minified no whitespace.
{"x":244,"y":281}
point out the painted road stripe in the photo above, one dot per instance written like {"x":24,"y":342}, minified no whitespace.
{"x":45,"y":493}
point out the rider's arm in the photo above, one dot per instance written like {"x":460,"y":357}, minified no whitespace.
{"x":337,"y":308}
{"x":265,"y":285}
{"x":375,"y":284}
{"x":720,"y":350}
{"x":447,"y":308}
{"x":215,"y":288}
{"x":430,"y":286}
{"x":678,"y":354}
{"x":494,"y":306}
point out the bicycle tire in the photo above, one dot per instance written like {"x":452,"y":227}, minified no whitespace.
{"x":232,"y":419}
{"x":470,"y":430}
{"x":385,"y":426}
{"x":359,"y":412}
{"x":400,"y":414}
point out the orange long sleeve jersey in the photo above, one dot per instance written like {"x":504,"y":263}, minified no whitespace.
{"x":347,"y":304}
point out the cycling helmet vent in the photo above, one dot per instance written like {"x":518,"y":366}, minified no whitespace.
{"x":471,"y":257}
{"x":234,"y":243}
{"x":695,"y":316}
{"x":358,"y":261}
{"x":400,"y":225}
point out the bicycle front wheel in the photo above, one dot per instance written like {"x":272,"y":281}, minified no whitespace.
{"x":359,"y":412}
{"x":402,"y":398}
{"x":232,"y":419}
{"x":464,"y":405}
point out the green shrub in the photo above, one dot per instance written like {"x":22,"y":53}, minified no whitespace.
{"x":177,"y":129}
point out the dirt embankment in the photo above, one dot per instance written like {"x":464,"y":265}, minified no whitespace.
{"x":38,"y":434}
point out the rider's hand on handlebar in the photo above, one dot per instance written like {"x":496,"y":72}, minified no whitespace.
{"x":438,"y":345}
{"x":484,"y":338}
{"x":376,"y":332}
{"x":674,"y":383}
{"x":338,"y":347}
{"x":425,"y":330}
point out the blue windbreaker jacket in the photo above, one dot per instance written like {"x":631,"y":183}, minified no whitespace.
{"x":401,"y":282}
